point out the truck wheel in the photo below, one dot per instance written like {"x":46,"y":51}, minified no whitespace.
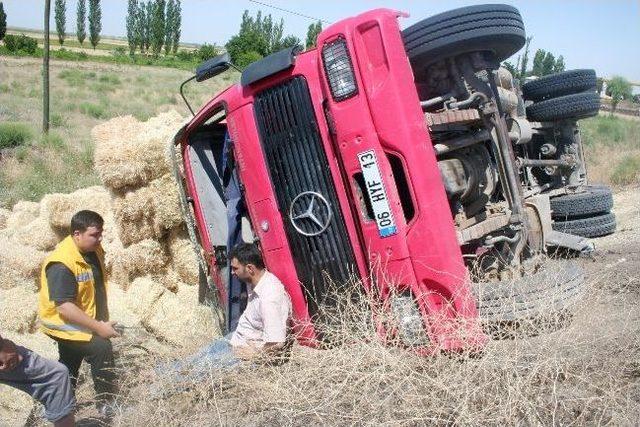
{"x":496,"y":28}
{"x":560,"y":84}
{"x":523,"y":306}
{"x":576,"y":106}
{"x":592,"y":226}
{"x":596,"y":199}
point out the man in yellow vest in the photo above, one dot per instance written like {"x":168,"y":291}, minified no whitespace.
{"x":73,"y":305}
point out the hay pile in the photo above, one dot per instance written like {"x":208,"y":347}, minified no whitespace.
{"x":152,"y":259}
{"x":152,"y":268}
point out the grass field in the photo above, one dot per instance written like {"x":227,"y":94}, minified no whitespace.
{"x":82,"y":95}
{"x":612,"y":148}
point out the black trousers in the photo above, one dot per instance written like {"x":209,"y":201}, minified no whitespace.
{"x":99,"y":354}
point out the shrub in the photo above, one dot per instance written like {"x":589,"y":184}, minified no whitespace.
{"x":119,"y":51}
{"x":184,"y":55}
{"x":246,"y":58}
{"x":13,"y":134}
{"x":611,"y":127}
{"x":206,"y":51}
{"x":21,"y":43}
{"x":110,"y":78}
{"x":627,"y":171}
{"x":57,"y":120}
{"x":73,"y":77}
{"x":94,"y":110}
{"x":53,"y":140}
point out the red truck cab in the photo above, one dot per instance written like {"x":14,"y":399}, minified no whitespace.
{"x":341,"y":184}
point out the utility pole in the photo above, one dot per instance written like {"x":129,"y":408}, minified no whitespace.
{"x":45,"y":70}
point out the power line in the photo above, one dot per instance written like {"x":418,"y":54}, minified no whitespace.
{"x":291,"y":12}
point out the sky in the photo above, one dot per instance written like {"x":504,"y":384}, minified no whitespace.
{"x":599,"y":34}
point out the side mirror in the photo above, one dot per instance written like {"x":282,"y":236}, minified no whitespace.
{"x":212,"y":67}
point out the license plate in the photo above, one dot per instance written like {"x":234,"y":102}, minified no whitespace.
{"x":377,"y":194}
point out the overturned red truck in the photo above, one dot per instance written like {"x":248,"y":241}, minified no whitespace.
{"x":397,"y":160}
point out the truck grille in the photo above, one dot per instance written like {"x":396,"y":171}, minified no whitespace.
{"x":297,"y":164}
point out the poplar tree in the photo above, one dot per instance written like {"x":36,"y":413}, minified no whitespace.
{"x":168,"y":27}
{"x":3,"y":22}
{"x":157,"y":26}
{"x":177,"y":24}
{"x":140,"y":25}
{"x":148,"y":18}
{"x":312,"y":34}
{"x":132,"y":14}
{"x":61,"y":19}
{"x":81,"y":16}
{"x":95,"y":22}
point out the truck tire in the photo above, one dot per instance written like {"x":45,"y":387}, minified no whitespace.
{"x":540,"y":298}
{"x":576,"y":106}
{"x":560,"y":84}
{"x":596,"y":199}
{"x":592,"y":226}
{"x":496,"y":28}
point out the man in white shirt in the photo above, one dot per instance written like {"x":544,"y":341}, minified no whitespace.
{"x":262,"y":328}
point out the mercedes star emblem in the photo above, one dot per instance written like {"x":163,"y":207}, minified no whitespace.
{"x":310,"y":213}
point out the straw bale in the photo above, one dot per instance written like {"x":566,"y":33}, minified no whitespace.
{"x":169,"y":280}
{"x":166,"y":204}
{"x":141,"y":296}
{"x":9,"y":279}
{"x":118,"y":308}
{"x":61,"y":207}
{"x":181,"y":321}
{"x":18,"y":309}
{"x":133,"y":214}
{"x":130,"y":153}
{"x":22,"y":214}
{"x":37,"y":234}
{"x":182,"y":257}
{"x":148,"y":212}
{"x":113,"y":264}
{"x":21,"y":260}
{"x":145,"y":257}
{"x":4,"y":215}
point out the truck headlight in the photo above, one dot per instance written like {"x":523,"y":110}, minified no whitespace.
{"x":337,"y":65}
{"x":408,"y":320}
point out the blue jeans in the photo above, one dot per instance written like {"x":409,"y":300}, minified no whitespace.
{"x":217,"y":355}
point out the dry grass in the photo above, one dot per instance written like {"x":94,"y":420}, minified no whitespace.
{"x":585,"y":374}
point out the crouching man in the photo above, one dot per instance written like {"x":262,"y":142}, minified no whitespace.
{"x":73,"y":305}
{"x":45,"y":380}
{"x":262,"y":331}
{"x":262,"y":327}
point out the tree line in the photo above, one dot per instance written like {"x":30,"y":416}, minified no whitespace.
{"x":94,"y":17}
{"x":260,"y":36}
{"x":153,"y":26}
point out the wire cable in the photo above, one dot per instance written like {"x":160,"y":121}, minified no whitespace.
{"x":290,"y":11}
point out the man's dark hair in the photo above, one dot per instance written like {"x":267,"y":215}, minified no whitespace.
{"x":85,"y":219}
{"x":247,"y":253}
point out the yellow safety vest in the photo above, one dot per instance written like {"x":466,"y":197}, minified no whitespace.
{"x":51,"y":323}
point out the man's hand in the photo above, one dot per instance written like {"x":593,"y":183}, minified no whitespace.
{"x":106,"y":329}
{"x":9,"y":356}
{"x":73,"y":314}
